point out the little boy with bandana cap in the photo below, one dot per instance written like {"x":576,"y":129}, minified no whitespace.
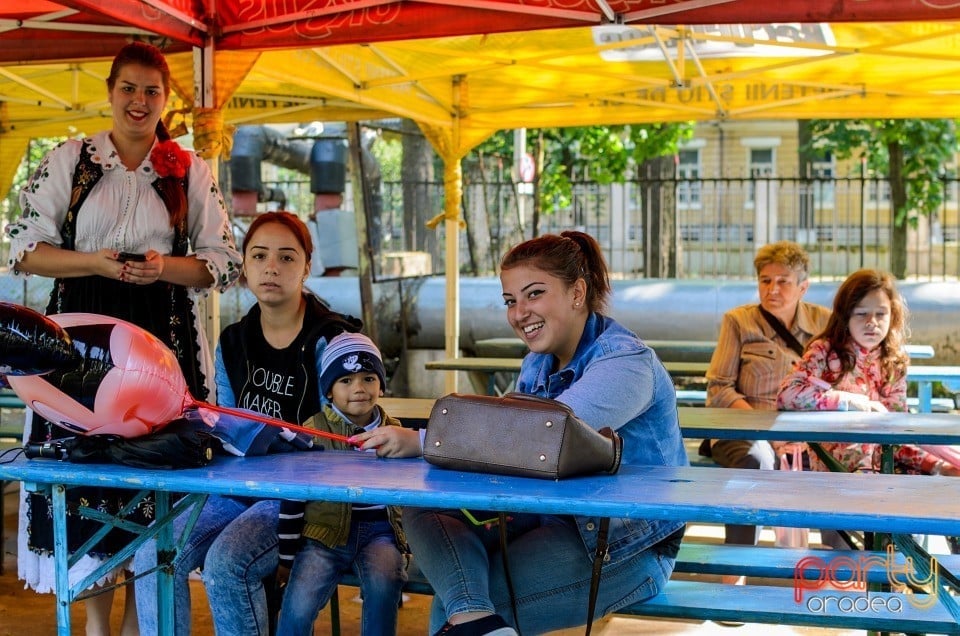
{"x":320,"y":540}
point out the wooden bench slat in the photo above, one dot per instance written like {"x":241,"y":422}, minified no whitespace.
{"x":407,"y":408}
{"x":768,"y":604}
{"x":780,"y":563}
{"x":415,"y":408}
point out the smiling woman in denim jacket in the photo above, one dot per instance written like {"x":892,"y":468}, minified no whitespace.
{"x":555,"y":289}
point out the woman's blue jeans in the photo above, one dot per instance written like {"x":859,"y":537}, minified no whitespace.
{"x":236,"y":546}
{"x":371,"y":552}
{"x":549,"y":567}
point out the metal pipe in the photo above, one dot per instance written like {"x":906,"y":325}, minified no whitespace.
{"x":656,"y":309}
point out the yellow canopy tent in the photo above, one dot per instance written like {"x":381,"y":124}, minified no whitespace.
{"x":462,"y":88}
{"x":591,"y":75}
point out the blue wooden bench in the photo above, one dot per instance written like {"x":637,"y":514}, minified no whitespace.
{"x":925,"y":376}
{"x":760,"y":561}
{"x":482,"y":371}
{"x":780,"y":563}
{"x":707,"y":600}
{"x":9,"y":400}
{"x":937,"y":405}
{"x":883,"y":611}
{"x":685,"y":600}
{"x":689,"y":397}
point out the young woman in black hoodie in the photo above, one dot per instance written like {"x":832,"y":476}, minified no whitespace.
{"x":267,"y":362}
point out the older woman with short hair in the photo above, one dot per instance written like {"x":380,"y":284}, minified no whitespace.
{"x":756,"y":349}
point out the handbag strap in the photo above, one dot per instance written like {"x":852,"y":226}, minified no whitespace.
{"x":598,"y":557}
{"x":782,"y":331}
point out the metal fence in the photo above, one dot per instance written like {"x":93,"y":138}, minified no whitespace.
{"x":843,"y":223}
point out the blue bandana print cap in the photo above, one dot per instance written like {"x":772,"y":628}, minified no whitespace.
{"x":349,"y":353}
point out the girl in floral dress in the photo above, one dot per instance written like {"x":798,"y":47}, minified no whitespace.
{"x":858,"y":364}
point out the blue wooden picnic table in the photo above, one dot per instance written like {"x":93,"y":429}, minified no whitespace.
{"x":881,"y":503}
{"x":673,"y":350}
{"x":889,"y":503}
{"x":482,"y":373}
{"x":482,"y":370}
{"x":820,"y":426}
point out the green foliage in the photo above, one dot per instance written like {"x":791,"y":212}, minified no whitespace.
{"x":389,"y":153}
{"x":927,"y":145}
{"x":36,"y":150}
{"x":604,"y":154}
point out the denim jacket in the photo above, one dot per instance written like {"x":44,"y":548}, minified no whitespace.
{"x":615,"y":380}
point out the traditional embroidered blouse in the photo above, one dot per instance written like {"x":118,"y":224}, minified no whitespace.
{"x":128,"y":214}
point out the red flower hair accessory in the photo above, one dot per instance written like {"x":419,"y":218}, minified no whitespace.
{"x":170,"y":160}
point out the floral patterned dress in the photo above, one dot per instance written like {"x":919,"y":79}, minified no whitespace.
{"x":818,"y":384}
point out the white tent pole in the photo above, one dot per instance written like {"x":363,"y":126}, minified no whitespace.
{"x":452,"y":314}
{"x":203,"y":91}
{"x":453,"y":196}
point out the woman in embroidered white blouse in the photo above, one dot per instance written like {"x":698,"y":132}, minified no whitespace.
{"x":131,"y":226}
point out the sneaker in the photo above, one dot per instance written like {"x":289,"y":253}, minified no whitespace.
{"x":492,"y":625}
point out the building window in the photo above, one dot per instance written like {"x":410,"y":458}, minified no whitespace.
{"x":878,"y":191}
{"x":761,"y":166}
{"x":824,"y":175}
{"x":949,"y":179}
{"x":688,"y":179}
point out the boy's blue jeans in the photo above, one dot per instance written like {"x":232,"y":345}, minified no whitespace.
{"x":236,"y":545}
{"x":371,"y":552}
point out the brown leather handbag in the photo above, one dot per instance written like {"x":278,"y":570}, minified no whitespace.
{"x":517,"y":434}
{"x":527,"y":436}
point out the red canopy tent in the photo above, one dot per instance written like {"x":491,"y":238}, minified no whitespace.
{"x":43,"y":30}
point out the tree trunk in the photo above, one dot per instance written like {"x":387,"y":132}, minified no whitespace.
{"x":416,"y":173}
{"x":898,"y":205}
{"x":477,"y":210}
{"x":539,"y":155}
{"x":662,"y":232}
{"x":471,"y":192}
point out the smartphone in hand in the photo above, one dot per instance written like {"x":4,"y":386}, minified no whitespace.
{"x":128,"y":256}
